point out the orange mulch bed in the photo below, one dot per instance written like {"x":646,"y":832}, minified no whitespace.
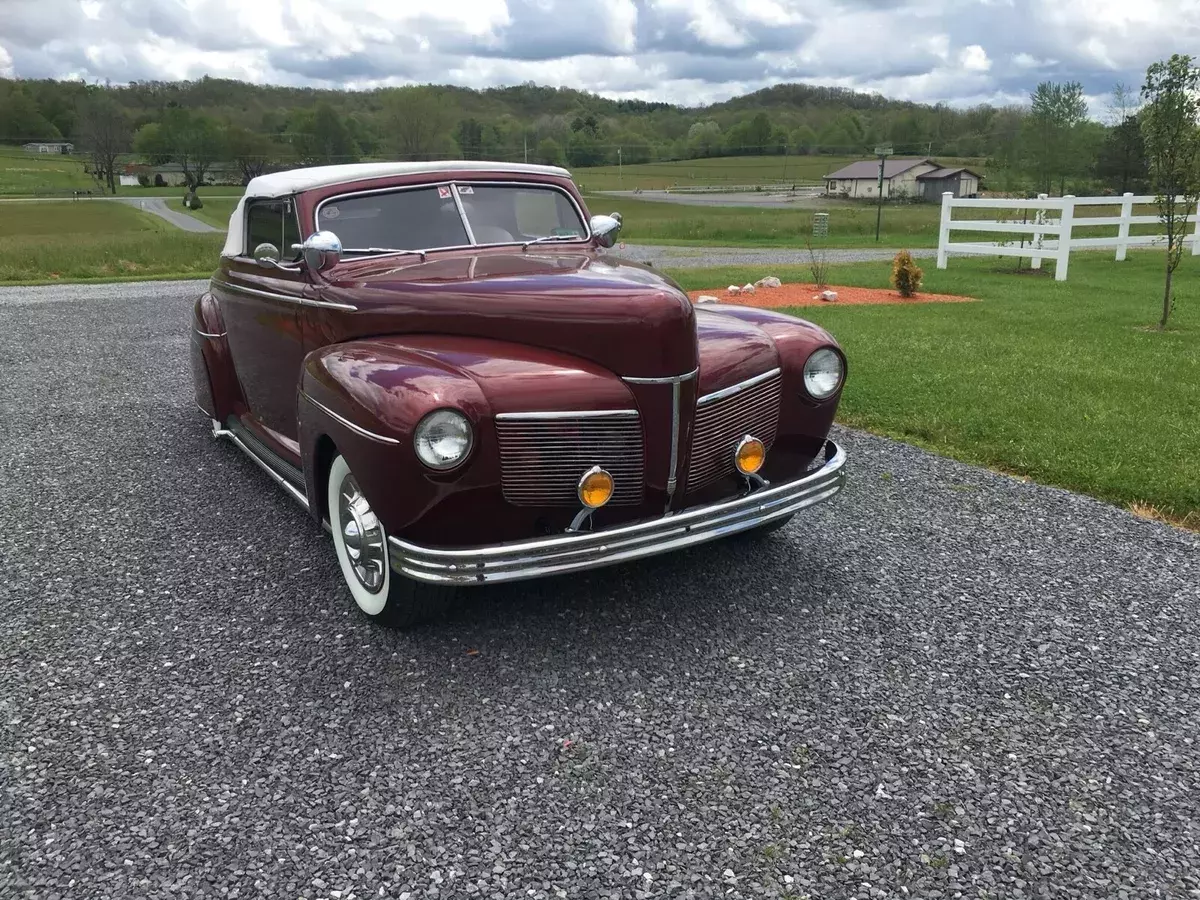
{"x":804,"y":294}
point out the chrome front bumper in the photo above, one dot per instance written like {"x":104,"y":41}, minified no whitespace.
{"x":593,"y":549}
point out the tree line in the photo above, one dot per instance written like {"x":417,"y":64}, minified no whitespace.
{"x":247,"y":129}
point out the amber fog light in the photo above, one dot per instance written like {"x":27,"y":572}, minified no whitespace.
{"x":595,"y":488}
{"x":750,"y":455}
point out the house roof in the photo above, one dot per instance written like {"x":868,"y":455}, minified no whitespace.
{"x":938,"y":174}
{"x":869,"y":168}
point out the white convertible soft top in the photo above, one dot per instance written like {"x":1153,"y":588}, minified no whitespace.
{"x":284,"y":184}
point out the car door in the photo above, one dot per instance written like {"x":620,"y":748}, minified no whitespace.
{"x":262,"y":311}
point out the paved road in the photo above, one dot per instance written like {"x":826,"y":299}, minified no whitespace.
{"x":947,"y":683}
{"x":158,"y":206}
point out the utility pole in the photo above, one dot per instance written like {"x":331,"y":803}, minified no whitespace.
{"x":525,"y":141}
{"x":883,"y":152}
{"x":620,"y":172}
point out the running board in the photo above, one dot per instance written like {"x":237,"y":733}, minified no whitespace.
{"x":281,"y":471}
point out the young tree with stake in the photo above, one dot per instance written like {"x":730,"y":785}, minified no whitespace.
{"x":1170,"y":123}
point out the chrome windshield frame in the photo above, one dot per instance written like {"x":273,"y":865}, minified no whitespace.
{"x":454,"y":184}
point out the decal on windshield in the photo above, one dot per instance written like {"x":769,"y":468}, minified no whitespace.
{"x":444,"y":192}
{"x":465,"y":189}
{"x":331,"y":212}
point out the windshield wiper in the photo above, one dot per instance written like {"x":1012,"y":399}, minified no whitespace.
{"x":551,"y":237}
{"x":421,"y":253}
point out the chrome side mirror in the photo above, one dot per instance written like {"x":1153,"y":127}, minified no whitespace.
{"x":606,"y":228}
{"x":322,"y":250}
{"x":267,"y":255}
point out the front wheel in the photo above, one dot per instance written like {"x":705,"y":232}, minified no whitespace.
{"x":362,"y":551}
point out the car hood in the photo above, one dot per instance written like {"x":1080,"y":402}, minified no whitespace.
{"x":624,"y":316}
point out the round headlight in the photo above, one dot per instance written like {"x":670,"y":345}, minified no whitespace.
{"x":823,"y":373}
{"x":443,"y":439}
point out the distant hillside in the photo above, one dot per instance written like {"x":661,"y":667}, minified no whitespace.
{"x":258,"y":127}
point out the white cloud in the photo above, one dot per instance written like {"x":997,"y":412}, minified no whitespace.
{"x":684,"y":51}
{"x":974,"y":59}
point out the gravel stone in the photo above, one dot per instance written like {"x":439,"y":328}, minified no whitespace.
{"x":945,"y":683}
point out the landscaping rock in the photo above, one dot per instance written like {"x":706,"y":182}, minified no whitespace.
{"x":769,"y":282}
{"x":707,"y":298}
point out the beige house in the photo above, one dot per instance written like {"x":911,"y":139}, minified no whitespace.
{"x":902,"y":177}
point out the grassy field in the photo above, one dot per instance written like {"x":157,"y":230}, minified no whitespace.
{"x":63,"y":241}
{"x":1062,"y":383}
{"x":725,"y":170}
{"x":24,"y":173}
{"x":850,"y":224}
{"x":216,"y":210}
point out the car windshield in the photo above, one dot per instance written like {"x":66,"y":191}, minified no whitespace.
{"x":428,"y":218}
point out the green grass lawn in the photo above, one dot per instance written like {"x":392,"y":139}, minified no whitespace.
{"x":850,"y":224}
{"x":216,"y":210}
{"x":1060,"y":382}
{"x":24,"y":173}
{"x":97,"y":240}
{"x":742,"y":170}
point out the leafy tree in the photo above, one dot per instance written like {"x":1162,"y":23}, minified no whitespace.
{"x":1056,"y":113}
{"x":1121,"y":159}
{"x":704,"y":139}
{"x":21,"y":120}
{"x":193,"y":140}
{"x":151,"y":144}
{"x":418,"y":118}
{"x":584,"y":149}
{"x":803,"y":140}
{"x":250,"y":151}
{"x":1170,"y":123}
{"x":321,"y":136}
{"x":468,"y":134}
{"x":104,"y":133}
{"x":550,"y":152}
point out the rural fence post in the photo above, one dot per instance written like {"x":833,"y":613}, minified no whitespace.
{"x":1196,"y":233}
{"x":1035,"y":262}
{"x":1123,"y":228}
{"x":944,"y":233}
{"x":1064,"y":237}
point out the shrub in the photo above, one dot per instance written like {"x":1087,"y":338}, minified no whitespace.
{"x":906,"y":276}
{"x":818,"y":264}
{"x":159,"y":181}
{"x":143,"y":179}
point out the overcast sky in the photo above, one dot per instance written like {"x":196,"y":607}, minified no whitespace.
{"x":681,"y":51}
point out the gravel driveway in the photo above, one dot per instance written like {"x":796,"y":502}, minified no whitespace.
{"x":946,"y":683}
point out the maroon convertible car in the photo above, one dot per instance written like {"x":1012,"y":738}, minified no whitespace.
{"x":440,"y":363}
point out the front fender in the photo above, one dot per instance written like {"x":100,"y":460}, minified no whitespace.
{"x":365,"y":398}
{"x":804,"y":423}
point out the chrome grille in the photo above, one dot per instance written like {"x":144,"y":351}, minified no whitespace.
{"x":723,"y":421}
{"x":542,"y":459}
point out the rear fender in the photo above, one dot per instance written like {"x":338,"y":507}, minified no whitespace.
{"x":217,"y":390}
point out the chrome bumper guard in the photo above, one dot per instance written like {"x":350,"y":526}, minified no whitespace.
{"x":593,"y":549}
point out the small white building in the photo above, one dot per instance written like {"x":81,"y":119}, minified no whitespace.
{"x":861,"y":179}
{"x":64,"y":147}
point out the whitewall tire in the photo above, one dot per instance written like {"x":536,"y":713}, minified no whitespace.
{"x":361,"y":543}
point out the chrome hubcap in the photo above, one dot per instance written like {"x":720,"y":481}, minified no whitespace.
{"x":362,"y":536}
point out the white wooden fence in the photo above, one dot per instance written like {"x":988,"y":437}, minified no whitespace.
{"x":1048,"y":236}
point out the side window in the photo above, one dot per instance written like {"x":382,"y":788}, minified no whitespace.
{"x":272,"y":222}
